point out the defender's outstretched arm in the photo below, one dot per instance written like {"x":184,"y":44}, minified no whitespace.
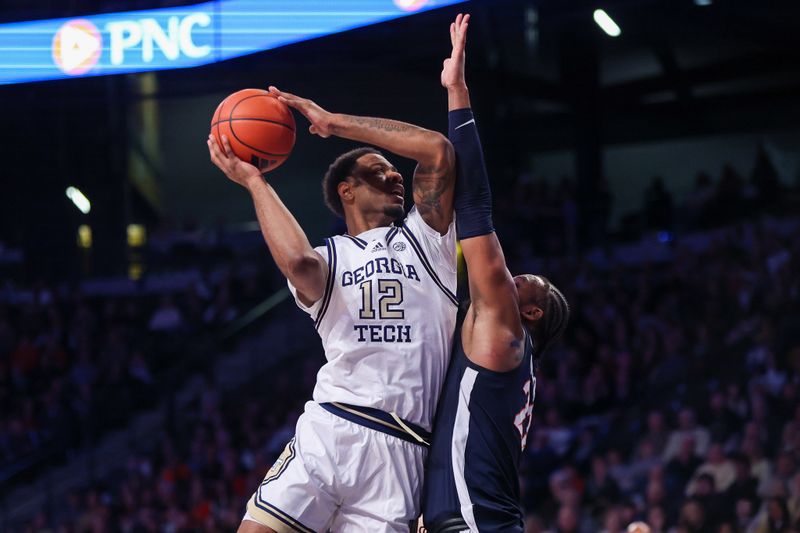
{"x":493,"y":329}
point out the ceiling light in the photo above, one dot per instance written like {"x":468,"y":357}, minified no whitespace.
{"x":79,"y":199}
{"x":606,"y":23}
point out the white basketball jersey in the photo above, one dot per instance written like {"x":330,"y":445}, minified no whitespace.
{"x":387,"y":318}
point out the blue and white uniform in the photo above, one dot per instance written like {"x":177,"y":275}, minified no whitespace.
{"x":482,"y":424}
{"x":386,"y":321}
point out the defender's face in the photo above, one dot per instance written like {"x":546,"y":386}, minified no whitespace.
{"x":379,"y":186}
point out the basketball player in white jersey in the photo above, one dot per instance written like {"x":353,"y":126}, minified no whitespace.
{"x":382,"y":298}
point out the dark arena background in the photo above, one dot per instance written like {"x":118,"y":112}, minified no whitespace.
{"x":153,"y":364}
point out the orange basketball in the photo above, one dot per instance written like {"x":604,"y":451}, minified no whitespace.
{"x":259,"y":128}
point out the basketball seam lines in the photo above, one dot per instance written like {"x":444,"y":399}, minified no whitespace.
{"x":230,"y":116}
{"x":253,"y":147}
{"x":230,"y":119}
{"x":256,"y":119}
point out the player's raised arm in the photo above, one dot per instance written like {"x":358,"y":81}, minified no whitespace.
{"x":287,"y":242}
{"x":434,"y":176}
{"x":493,"y":339}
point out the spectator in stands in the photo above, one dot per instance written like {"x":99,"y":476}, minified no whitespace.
{"x":656,"y":436}
{"x":716,"y":465}
{"x":744,"y":485}
{"x":692,"y":518}
{"x":680,"y":468}
{"x":687,"y":428}
{"x":774,"y":518}
{"x":744,"y":514}
{"x":568,"y":520}
{"x":601,"y":489}
{"x":657,"y":520}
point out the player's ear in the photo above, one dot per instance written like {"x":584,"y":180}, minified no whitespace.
{"x":531,"y":312}
{"x":345,"y":189}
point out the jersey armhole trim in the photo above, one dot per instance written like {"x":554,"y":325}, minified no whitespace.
{"x":425,"y":263}
{"x":326,"y":298}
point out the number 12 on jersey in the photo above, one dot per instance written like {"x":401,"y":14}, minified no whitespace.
{"x":390,"y":296}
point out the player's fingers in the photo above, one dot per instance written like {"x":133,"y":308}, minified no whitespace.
{"x":214,"y":153}
{"x":227,"y":146}
{"x":464,"y":23}
{"x":452,"y":33}
{"x":312,"y":129}
{"x":462,"y":37}
{"x":212,"y":146}
{"x":284,"y":94}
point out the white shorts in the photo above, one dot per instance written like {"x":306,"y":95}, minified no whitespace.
{"x":340,"y":476}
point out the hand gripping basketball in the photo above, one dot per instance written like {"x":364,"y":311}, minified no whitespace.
{"x":234,"y":168}
{"x":321,"y":120}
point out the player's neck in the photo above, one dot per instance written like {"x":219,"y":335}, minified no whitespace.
{"x":358,"y":223}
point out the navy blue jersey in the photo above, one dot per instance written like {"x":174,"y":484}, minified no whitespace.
{"x":481,"y":427}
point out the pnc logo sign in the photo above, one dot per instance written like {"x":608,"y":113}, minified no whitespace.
{"x":410,"y":5}
{"x":77,"y":46}
{"x":173,"y":41}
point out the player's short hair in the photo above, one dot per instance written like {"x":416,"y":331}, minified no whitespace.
{"x":338,"y":171}
{"x":555,"y":308}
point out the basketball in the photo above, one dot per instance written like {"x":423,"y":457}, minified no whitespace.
{"x":259,"y":128}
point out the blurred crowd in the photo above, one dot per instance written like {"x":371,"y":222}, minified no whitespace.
{"x":73,"y":365}
{"x":674,"y":398}
{"x":200,"y":475}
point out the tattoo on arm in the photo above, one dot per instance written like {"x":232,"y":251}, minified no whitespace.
{"x":429,"y":184}
{"x":379,"y":123}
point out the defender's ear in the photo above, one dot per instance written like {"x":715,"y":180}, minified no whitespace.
{"x":531,"y":312}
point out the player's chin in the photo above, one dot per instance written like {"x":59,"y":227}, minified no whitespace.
{"x":394,"y":211}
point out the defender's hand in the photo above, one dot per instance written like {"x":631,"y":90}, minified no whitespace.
{"x":453,"y":68}
{"x":319,"y":118}
{"x":234,"y":168}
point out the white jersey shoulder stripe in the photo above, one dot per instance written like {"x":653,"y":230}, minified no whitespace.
{"x":326,"y":297}
{"x":425,"y":263}
{"x":358,"y":242}
{"x":391,"y":234}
